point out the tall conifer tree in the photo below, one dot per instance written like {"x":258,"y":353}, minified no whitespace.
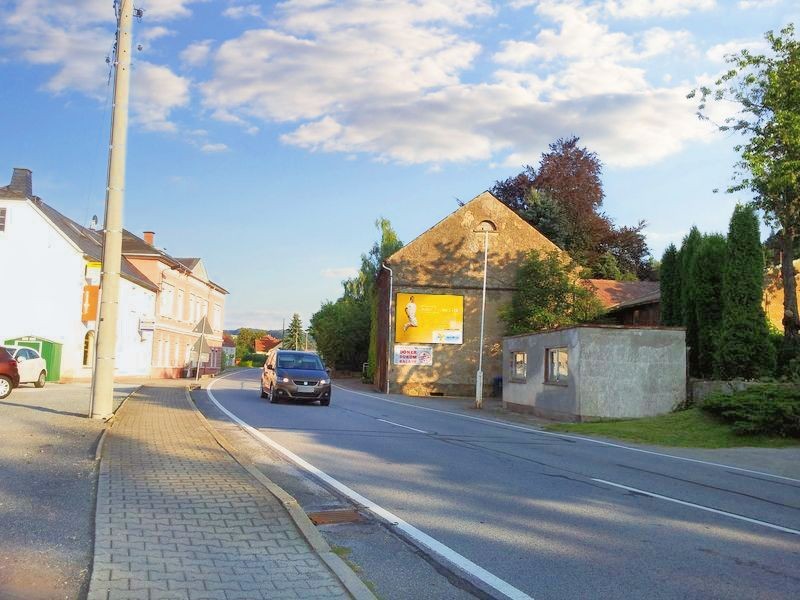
{"x":744,"y":348}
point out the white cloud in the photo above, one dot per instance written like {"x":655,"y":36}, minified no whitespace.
{"x":387,"y":80}
{"x":747,"y":4}
{"x":645,"y":9}
{"x":242,"y":11}
{"x":196,"y":54}
{"x":156,"y":92}
{"x":212,"y":148}
{"x":339,"y":272}
{"x":151,"y":34}
{"x":718,"y":52}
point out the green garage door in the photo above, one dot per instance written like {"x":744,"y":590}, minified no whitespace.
{"x":50,"y":351}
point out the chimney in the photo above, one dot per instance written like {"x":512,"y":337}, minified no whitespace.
{"x":149,"y":237}
{"x":22,"y":182}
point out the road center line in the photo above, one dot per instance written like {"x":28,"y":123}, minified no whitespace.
{"x":698,"y":506}
{"x":571,"y":437}
{"x":420,"y":537}
{"x":403,"y":426}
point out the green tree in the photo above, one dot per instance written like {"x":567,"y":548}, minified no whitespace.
{"x":371,"y":265}
{"x":766,"y":90}
{"x":341,"y":332}
{"x":705,"y":276}
{"x":357,"y":307}
{"x":547,"y":296}
{"x":563,"y":199}
{"x":245,"y":340}
{"x":688,"y":298}
{"x":671,"y":314}
{"x":744,"y":349}
{"x":295,"y":335}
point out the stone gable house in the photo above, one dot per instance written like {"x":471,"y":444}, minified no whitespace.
{"x":448,"y":260}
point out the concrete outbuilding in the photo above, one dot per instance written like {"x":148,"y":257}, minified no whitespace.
{"x":592,"y":372}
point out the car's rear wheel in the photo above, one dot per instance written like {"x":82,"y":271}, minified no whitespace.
{"x":5,"y":386}
{"x":39,"y":383}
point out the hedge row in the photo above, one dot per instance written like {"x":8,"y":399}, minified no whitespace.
{"x":771,"y":409}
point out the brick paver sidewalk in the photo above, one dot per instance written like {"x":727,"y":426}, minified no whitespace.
{"x":179,"y":519}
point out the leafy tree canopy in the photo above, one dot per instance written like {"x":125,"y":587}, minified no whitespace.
{"x":765,"y":89}
{"x":547,"y":296}
{"x":563,"y":200}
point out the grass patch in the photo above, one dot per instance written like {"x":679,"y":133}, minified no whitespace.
{"x":690,"y":428}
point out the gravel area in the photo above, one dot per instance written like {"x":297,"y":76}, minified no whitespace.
{"x":47,"y":490}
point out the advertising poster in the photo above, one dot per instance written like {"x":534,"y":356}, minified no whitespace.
{"x":413,"y":355}
{"x":429,"y":319}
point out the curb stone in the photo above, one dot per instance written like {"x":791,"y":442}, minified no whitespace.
{"x":109,"y":422}
{"x":352,"y":583}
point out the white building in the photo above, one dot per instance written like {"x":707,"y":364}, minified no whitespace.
{"x":49,"y":282}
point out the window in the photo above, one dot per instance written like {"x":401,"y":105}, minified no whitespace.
{"x":179,"y":308}
{"x":88,"y":348}
{"x":3,"y":214}
{"x":166,"y":353}
{"x":217,"y":324}
{"x":167,"y":299}
{"x":556,"y":366}
{"x":519,"y":366}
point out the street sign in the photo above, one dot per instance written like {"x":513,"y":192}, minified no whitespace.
{"x":203,"y":326}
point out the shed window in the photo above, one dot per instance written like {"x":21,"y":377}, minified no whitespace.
{"x":3,"y":213}
{"x":556,"y":365}
{"x":519,"y":366}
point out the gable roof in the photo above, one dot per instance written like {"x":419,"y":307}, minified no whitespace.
{"x":619,"y":294}
{"x":450,"y":254}
{"x":89,"y":242}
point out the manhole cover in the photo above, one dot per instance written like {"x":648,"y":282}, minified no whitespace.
{"x":330,"y":517}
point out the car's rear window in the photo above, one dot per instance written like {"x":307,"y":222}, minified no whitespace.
{"x":4,"y":354}
{"x":308,"y":362}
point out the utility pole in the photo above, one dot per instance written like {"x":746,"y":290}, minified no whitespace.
{"x":102,"y":403}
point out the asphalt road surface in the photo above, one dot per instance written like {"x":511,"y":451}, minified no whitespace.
{"x":549,"y":515}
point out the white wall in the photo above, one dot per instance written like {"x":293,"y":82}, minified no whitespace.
{"x":41,"y":291}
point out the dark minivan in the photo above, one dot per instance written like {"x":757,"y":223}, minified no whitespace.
{"x":295,"y":375}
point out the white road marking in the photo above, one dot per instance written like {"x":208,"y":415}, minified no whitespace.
{"x":403,"y":426}
{"x":417,"y":535}
{"x":572,"y":437}
{"x":699,"y":506}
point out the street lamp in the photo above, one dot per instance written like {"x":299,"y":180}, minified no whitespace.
{"x":485,"y":227}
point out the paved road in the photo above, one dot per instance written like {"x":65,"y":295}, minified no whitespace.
{"x":554,"y":516}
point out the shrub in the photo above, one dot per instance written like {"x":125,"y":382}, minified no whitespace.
{"x":770,"y":409}
{"x":253,"y":360}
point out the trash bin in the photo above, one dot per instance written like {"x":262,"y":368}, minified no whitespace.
{"x":50,"y":351}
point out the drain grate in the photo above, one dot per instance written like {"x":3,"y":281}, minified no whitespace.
{"x":331,"y":517}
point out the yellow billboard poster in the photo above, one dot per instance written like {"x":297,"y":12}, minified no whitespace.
{"x":429,"y":319}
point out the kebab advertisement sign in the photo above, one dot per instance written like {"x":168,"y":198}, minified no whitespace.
{"x":429,"y":319}
{"x":413,"y":355}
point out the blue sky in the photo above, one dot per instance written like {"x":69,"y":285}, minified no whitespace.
{"x":268,"y":137}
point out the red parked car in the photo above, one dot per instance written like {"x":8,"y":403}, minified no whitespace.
{"x":9,"y":375}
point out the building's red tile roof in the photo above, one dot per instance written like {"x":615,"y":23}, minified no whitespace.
{"x":266,"y":343}
{"x":613,"y":293}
